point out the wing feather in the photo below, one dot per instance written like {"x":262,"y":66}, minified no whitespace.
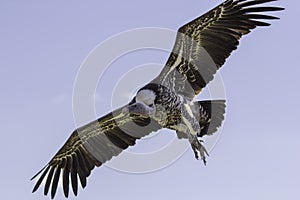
{"x":74,"y":175}
{"x":55,"y":181}
{"x":49,"y":179}
{"x":38,"y":183}
{"x":90,"y":146}
{"x":66,"y":181}
{"x":203,"y":45}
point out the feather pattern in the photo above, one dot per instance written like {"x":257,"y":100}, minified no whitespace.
{"x":203,"y":44}
{"x":201,"y":48}
{"x":90,"y":146}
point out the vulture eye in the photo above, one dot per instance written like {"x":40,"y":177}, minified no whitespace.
{"x":151,"y":105}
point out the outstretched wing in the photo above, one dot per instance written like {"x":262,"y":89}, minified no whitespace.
{"x":90,"y":146}
{"x":203,"y":45}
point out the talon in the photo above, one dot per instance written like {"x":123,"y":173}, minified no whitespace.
{"x":198,"y":148}
{"x":195,"y":152}
{"x":204,"y":161}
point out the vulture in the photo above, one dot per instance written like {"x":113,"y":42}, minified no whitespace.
{"x":201,"y":48}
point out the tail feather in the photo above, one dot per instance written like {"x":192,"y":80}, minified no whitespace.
{"x":211,"y":116}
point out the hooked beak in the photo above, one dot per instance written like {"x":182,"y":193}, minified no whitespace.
{"x":139,"y":109}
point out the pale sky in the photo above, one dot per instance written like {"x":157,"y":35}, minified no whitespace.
{"x":43,"y":45}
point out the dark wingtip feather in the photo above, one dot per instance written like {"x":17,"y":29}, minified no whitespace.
{"x":74,"y":182}
{"x":74,"y":170}
{"x":39,"y":172}
{"x":55,"y":182}
{"x":259,"y":16}
{"x":279,"y":8}
{"x":38,"y":183}
{"x":261,"y":9}
{"x":253,"y":2}
{"x":260,"y":23}
{"x":82,"y":179}
{"x":48,"y":181}
{"x":66,"y":173}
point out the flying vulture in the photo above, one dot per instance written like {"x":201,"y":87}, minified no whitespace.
{"x":201,"y":48}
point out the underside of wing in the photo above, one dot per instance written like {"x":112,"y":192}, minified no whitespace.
{"x":90,"y":146}
{"x":203,"y":44}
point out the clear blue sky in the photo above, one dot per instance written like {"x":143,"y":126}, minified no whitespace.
{"x":42,"y":47}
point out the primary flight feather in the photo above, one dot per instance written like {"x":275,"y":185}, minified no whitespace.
{"x":201,"y":48}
